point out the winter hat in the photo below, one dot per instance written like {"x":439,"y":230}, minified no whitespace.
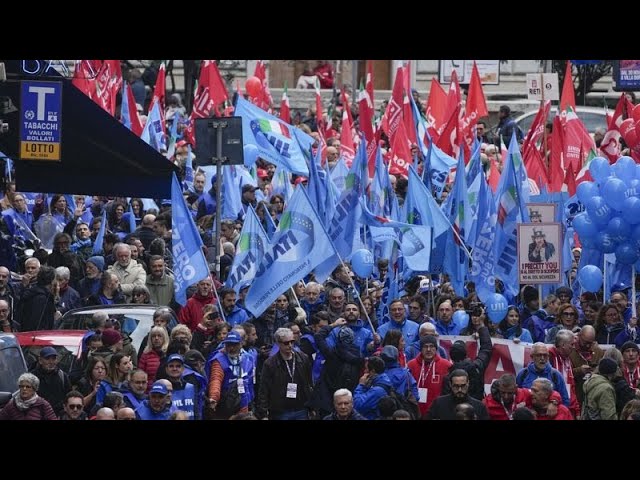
{"x":346,"y":335}
{"x":389,"y":354}
{"x":98,"y":261}
{"x":428,"y":340}
{"x":607,"y":366}
{"x":529,"y":294}
{"x":110,"y":337}
{"x":458,"y":351}
{"x":630,"y":344}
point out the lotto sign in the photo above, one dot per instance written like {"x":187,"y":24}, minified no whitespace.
{"x":40,"y":121}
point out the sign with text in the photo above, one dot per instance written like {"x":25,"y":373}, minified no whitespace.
{"x":539,"y":253}
{"x":542,"y":86}
{"x":626,"y":75}
{"x":40,"y":120}
{"x":489,"y":71}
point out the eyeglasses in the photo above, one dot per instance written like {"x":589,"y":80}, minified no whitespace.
{"x":75,"y":406}
{"x":290,"y":342}
{"x":569,"y":314}
{"x":459,"y":387}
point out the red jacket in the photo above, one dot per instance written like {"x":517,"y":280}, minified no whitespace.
{"x":566,"y":369}
{"x":150,"y":362}
{"x":430,"y":377}
{"x":523,"y":399}
{"x":191,"y":313}
{"x":40,"y":410}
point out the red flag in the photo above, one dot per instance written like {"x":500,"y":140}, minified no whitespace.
{"x":108,"y":83}
{"x":476,"y":103}
{"x":556,"y":172}
{"x":134,"y":118}
{"x":264,"y":99}
{"x":401,"y":153}
{"x":346,"y":106}
{"x":494,"y":174}
{"x":366,"y":127}
{"x":393,"y":114}
{"x":436,"y":107}
{"x":536,"y":169}
{"x":159,"y":94}
{"x":570,"y":181}
{"x":285,"y":110}
{"x":406,"y":73}
{"x":568,"y":98}
{"x":448,"y":137}
{"x":409,"y":121}
{"x":451,"y":130}
{"x":347,"y":149}
{"x":537,"y":127}
{"x":368,"y":86}
{"x":84,"y":76}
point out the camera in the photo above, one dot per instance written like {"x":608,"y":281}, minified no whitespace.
{"x":476,"y":309}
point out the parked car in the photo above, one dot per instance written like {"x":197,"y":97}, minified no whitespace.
{"x":68,"y":344}
{"x":12,"y":365}
{"x":592,"y":117}
{"x":135,"y":320}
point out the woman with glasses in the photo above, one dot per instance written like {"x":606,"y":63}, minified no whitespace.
{"x":511,"y":328}
{"x":141,"y":295}
{"x":609,"y":324}
{"x":88,"y":385}
{"x":25,"y":403}
{"x":567,"y":318}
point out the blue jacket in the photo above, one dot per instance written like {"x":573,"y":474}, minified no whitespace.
{"x":144,"y":412}
{"x":409,"y":329}
{"x":526,"y":377}
{"x":451,"y":328}
{"x":318,"y":358}
{"x":399,"y":377}
{"x":231,"y":377}
{"x":363,"y":336}
{"x":365,"y":399}
{"x":510,"y":334}
{"x":237,"y":315}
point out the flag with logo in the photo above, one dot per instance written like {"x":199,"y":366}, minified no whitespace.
{"x":275,"y":139}
{"x":300,"y":243}
{"x":189,"y":263}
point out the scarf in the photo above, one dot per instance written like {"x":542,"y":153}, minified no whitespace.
{"x":24,"y":405}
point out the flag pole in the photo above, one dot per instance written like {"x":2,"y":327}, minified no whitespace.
{"x":220,"y":309}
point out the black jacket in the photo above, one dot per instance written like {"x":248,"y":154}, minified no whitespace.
{"x":444,"y":408}
{"x":54,"y":386}
{"x":272,"y":397}
{"x":36,"y":310}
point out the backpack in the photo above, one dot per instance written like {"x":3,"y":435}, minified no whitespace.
{"x":406,"y":402}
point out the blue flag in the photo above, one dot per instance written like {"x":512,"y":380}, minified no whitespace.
{"x":231,"y":197}
{"x":152,"y":132}
{"x":270,"y":224}
{"x":189,"y":263}
{"x":97,"y":245}
{"x":132,"y":220}
{"x":277,"y":142}
{"x":173,"y":136}
{"x":251,"y":246}
{"x":298,"y":246}
{"x":511,"y":210}
{"x":339,"y":174}
{"x":482,"y":264}
{"x":188,"y":170}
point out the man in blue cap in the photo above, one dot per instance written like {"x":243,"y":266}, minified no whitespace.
{"x":156,"y":406}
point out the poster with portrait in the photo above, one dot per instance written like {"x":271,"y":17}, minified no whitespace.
{"x":539,"y":253}
{"x":542,"y":212}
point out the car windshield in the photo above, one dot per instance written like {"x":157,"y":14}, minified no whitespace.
{"x":66,"y":358}
{"x":11,"y":367}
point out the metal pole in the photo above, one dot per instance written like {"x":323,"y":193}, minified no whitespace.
{"x":354,"y":80}
{"x":218,"y":126}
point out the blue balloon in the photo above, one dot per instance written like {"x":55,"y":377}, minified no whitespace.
{"x":362,"y":263}
{"x":626,"y":254}
{"x":590,"y":278}
{"x":618,"y":229}
{"x":497,"y":307}
{"x":613,"y":192}
{"x":586,"y":190}
{"x":461,"y":318}
{"x":598,"y":210}
{"x":250,"y":154}
{"x":635,"y":233}
{"x":605,"y":242}
{"x":600,"y":169}
{"x":637,"y":266}
{"x":625,"y":169}
{"x":631,"y":210}
{"x":585,"y":227}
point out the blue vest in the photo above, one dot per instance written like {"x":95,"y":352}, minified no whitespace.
{"x":135,"y":403}
{"x":247,"y":374}
{"x":144,"y":412}
{"x":318,"y":358}
{"x":185,"y":400}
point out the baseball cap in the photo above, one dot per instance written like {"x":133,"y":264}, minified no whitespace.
{"x":160,"y":388}
{"x":175,"y":356}
{"x":48,"y":352}
{"x":248,"y":188}
{"x":232,"y":337}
